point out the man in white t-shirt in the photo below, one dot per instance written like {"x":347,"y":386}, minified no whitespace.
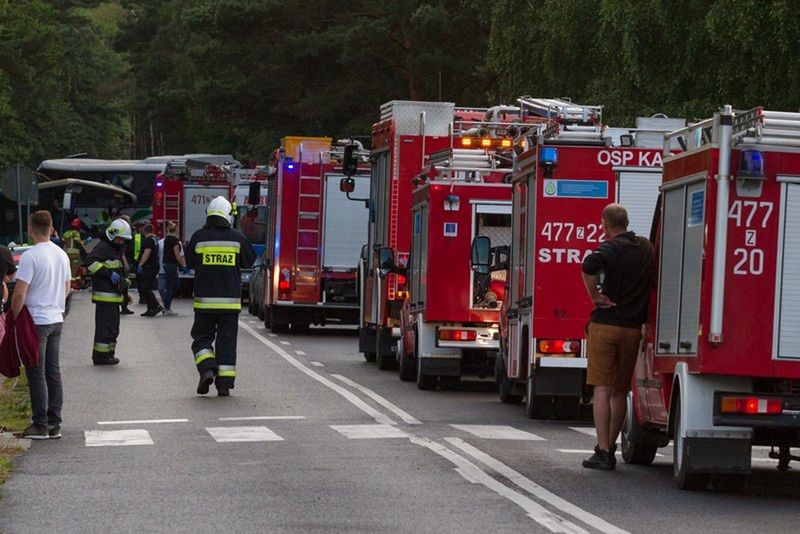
{"x":43,"y":283}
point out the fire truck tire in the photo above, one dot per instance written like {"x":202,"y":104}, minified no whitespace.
{"x":370,"y":357}
{"x":504,"y":385}
{"x":638,"y":444}
{"x":449,"y":383}
{"x":683,"y":478}
{"x":566,"y":408}
{"x":278,"y":328}
{"x":408,"y":371}
{"x":537,"y":406}
{"x":386,"y":361}
{"x":425,"y":382}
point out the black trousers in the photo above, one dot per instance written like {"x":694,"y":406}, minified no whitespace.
{"x":148,"y":287}
{"x":106,"y":330}
{"x":214,"y":338}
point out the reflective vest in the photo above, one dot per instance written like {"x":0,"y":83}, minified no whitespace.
{"x":137,"y":246}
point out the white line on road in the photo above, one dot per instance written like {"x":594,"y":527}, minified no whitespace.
{"x":498,"y":432}
{"x":316,"y":364}
{"x":233,"y":434}
{"x":143,"y":422}
{"x":270,"y":334}
{"x":472,"y":473}
{"x":370,"y":431}
{"x":300,"y":353}
{"x":379,"y":417}
{"x":263,"y":418}
{"x":116,"y":438}
{"x":399,"y":412}
{"x":285,"y":343}
{"x":536,"y":490}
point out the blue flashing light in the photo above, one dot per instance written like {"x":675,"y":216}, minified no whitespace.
{"x":548,"y":156}
{"x":289,"y":163}
{"x":751,"y":164}
{"x":159,"y":184}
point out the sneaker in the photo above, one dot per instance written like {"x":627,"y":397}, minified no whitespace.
{"x":150,"y":313}
{"x":126,"y":311}
{"x":105,"y":361}
{"x":169,"y":312}
{"x":223,"y":391}
{"x":601,"y":459}
{"x":206,"y":379}
{"x":54,"y":432}
{"x":35,"y":431}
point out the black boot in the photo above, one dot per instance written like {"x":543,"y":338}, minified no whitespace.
{"x":105,"y":361}
{"x":601,"y":459}
{"x":206,"y":379}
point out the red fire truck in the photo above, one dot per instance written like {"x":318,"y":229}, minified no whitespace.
{"x":450,"y":319}
{"x":567,"y":174}
{"x":406,"y":135}
{"x":720,"y":366}
{"x":314,"y":234}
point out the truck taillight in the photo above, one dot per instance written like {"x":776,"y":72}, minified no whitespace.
{"x":401,"y":280}
{"x":750,"y":405}
{"x":284,"y":282}
{"x":458,"y":335}
{"x":559,"y":346}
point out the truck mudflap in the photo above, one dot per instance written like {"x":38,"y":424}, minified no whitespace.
{"x":559,"y":381}
{"x":715,"y":455}
{"x":440,"y":364}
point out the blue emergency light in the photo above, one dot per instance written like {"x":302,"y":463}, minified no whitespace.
{"x":751,"y":164}
{"x":289,"y":163}
{"x":548,"y":156}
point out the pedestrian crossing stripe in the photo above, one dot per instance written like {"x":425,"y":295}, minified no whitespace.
{"x":232,"y":434}
{"x":116,"y":438}
{"x":498,"y":432}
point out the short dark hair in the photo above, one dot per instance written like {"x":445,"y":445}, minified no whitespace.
{"x":41,"y":222}
{"x":616,"y":216}
{"x":148,"y":228}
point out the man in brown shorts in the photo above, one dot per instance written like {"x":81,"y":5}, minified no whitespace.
{"x":624,"y":263}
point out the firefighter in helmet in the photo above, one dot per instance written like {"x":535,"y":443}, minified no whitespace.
{"x":216,"y":252}
{"x":104,"y":264}
{"x":72,"y":242}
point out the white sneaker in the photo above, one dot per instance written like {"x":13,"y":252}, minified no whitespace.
{"x":170,"y":312}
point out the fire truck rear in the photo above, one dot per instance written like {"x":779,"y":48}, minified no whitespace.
{"x":451,"y":317}
{"x":720,"y":366}
{"x":313,"y":234}
{"x":568,"y":173}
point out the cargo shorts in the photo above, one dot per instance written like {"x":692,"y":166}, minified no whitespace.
{"x":611,"y":352}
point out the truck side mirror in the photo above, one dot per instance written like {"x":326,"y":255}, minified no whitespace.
{"x":66,"y":204}
{"x":254,"y":194}
{"x":481,"y":254}
{"x":350,"y":160}
{"x":347,"y":185}
{"x":501,"y":255}
{"x":385,"y":261}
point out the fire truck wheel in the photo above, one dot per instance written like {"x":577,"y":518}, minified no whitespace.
{"x":537,"y":406}
{"x":387,"y":361}
{"x":638,"y":445}
{"x":279,"y":328}
{"x":425,"y":382}
{"x":449,"y":383}
{"x":683,"y":478}
{"x":566,"y":408}
{"x":504,"y":385}
{"x":408,"y":370}
{"x":370,"y":357}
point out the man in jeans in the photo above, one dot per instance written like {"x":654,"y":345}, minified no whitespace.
{"x":171,"y":258}
{"x":615,"y":329}
{"x":43,"y":283}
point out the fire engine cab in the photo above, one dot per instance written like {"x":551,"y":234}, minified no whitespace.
{"x":314,"y":233}
{"x":719,"y":370}
{"x":451,"y":317}
{"x":568,"y":172}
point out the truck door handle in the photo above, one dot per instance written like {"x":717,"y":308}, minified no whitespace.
{"x":686,"y":345}
{"x":664,"y":345}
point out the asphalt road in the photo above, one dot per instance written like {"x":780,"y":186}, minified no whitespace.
{"x":314,"y":439}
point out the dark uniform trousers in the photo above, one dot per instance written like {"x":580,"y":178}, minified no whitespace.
{"x":214,"y":338}
{"x":106,"y":330}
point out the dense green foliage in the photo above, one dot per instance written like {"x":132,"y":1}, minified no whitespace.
{"x":141,"y":77}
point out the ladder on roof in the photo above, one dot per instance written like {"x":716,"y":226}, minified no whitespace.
{"x":309,"y":231}
{"x":562,"y":110}
{"x":172,"y":212}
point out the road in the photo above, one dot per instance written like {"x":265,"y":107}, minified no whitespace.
{"x":314,"y":439}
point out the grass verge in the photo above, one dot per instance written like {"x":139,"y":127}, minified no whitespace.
{"x":14,"y":415}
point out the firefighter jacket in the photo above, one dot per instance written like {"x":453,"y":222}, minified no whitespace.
{"x":101,"y":262}
{"x":216,"y":252}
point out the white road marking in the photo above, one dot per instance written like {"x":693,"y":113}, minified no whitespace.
{"x":232,"y":434}
{"x":263,"y":418}
{"x":143,"y":422}
{"x":472,"y":473}
{"x":285,"y":343}
{"x":588,"y":451}
{"x":370,"y":431}
{"x":270,"y":334}
{"x":402,"y":414}
{"x":498,"y":432}
{"x":116,"y":438}
{"x":300,"y":353}
{"x":590,"y":431}
{"x":379,"y":417}
{"x":535,"y":489}
{"x":316,"y":364}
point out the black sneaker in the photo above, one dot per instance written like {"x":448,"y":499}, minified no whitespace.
{"x":601,"y":459}
{"x":35,"y":431}
{"x":127,"y":311}
{"x":151,"y":313}
{"x":54,"y":432}
{"x":105,"y":361}
{"x":206,"y":379}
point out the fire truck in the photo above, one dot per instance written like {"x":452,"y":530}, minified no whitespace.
{"x":407,"y":134}
{"x":568,"y":172}
{"x":314,"y":234}
{"x":719,"y":370}
{"x":450,"y":319}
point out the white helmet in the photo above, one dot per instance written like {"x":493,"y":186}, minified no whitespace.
{"x":220,"y":207}
{"x":118,"y":228}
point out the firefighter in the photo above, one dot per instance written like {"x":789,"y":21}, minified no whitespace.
{"x":216,"y":252}
{"x":72,"y":246}
{"x":104,"y":264}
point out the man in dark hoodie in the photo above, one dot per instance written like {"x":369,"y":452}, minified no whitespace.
{"x":217,"y":252}
{"x":104,"y":264}
{"x":614,"y":333}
